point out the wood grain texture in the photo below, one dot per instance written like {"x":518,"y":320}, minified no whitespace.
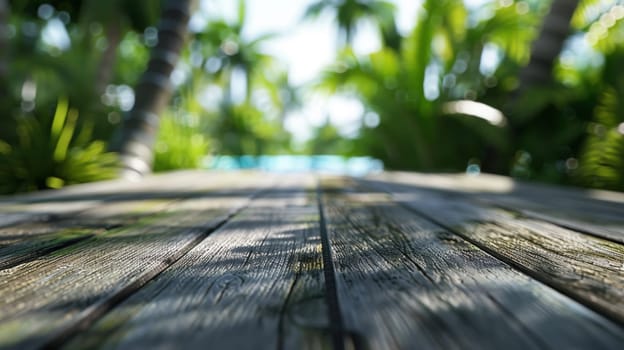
{"x":605,"y":220}
{"x":256,"y":282}
{"x":599,"y":213}
{"x":46,"y":299}
{"x":44,"y":206}
{"x":588,"y":268}
{"x":25,"y":241}
{"x":119,"y":206}
{"x":52,"y":205}
{"x":30,"y":241}
{"x":421,"y":261}
{"x":404,"y":283}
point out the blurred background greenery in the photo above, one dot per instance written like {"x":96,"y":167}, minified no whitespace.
{"x":526,"y":88}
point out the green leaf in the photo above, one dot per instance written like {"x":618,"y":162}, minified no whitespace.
{"x":59,"y":118}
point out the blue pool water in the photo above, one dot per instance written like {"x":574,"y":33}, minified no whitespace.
{"x":356,"y":166}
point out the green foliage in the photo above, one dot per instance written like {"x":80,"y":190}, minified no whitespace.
{"x":223,"y":45}
{"x":250,"y":124}
{"x":602,"y":161}
{"x":349,"y":13}
{"x":603,"y":21}
{"x":243,"y":130}
{"x":571,"y":130}
{"x":327,"y":140}
{"x":180,"y":143}
{"x":510,"y":31}
{"x":53,"y":156}
{"x":131,"y":59}
{"x":413,"y":132}
{"x":568,"y":132}
{"x":74,"y":71}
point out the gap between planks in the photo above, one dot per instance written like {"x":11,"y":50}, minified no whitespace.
{"x":260,"y":275}
{"x":331,"y":293}
{"x":93,"y":313}
{"x":473,"y":300}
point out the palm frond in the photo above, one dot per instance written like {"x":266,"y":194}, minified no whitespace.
{"x":53,"y":157}
{"x":315,"y":9}
{"x":602,"y":161}
{"x":511,"y":32}
{"x":588,"y":11}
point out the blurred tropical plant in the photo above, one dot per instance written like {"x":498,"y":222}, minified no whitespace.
{"x":601,"y":163}
{"x":455,"y":56}
{"x":351,"y":13}
{"x":603,"y":21}
{"x":228,"y":54}
{"x":556,"y":124}
{"x":407,"y":89}
{"x":246,"y":92}
{"x":602,"y":160}
{"x":53,"y":48}
{"x":326,"y":139}
{"x":243,"y":129}
{"x":181,"y":144}
{"x":54,"y":155}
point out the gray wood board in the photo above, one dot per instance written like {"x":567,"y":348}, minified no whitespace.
{"x":405,"y":282}
{"x":24,"y":241}
{"x":43,"y":300}
{"x":605,"y":220}
{"x":44,"y":206}
{"x":52,"y":205}
{"x":257,"y":282}
{"x":599,"y":213}
{"x":29,"y":241}
{"x":585,"y":267}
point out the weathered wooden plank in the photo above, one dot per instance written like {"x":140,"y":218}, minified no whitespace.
{"x":599,"y":213}
{"x":25,"y":241}
{"x":50,"y":206}
{"x":604,"y":220}
{"x":44,"y":206}
{"x":588,"y":268}
{"x":256,"y":282}
{"x":405,"y":283}
{"x":78,"y":192}
{"x":493,"y":184}
{"x":46,"y":299}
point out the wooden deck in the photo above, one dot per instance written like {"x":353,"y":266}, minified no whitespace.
{"x":260,"y":261}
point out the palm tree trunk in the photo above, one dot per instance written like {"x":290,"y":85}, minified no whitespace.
{"x":545,"y":49}
{"x":538,"y":73}
{"x":139,"y":129}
